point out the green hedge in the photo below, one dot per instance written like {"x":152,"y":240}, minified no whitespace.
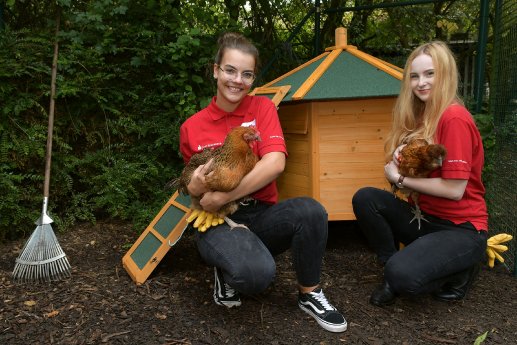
{"x":122,"y":92}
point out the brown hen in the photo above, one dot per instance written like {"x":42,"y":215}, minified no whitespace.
{"x":419,"y":159}
{"x":231,"y":162}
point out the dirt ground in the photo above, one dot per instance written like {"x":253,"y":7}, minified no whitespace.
{"x":100,"y":304}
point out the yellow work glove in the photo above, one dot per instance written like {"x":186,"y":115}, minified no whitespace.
{"x":495,"y":248}
{"x":204,"y":220}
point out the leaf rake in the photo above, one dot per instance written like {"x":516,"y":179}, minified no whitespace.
{"x":42,"y":258}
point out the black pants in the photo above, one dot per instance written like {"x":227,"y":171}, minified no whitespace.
{"x":431,"y":255}
{"x":246,"y":257}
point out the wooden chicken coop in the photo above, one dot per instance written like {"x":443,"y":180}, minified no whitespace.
{"x":335,"y":112}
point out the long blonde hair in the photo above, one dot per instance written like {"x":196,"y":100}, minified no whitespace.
{"x":413,"y":118}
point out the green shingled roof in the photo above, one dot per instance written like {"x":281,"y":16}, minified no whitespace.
{"x":352,"y":74}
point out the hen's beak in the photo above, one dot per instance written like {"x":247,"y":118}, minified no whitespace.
{"x":256,"y":136}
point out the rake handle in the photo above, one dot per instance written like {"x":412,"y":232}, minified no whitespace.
{"x":46,"y":184}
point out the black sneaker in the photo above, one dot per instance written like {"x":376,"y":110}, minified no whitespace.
{"x":224,"y":294}
{"x":316,"y":305}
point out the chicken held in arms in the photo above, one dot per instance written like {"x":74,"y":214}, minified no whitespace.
{"x":230,"y":163}
{"x":418,"y":159}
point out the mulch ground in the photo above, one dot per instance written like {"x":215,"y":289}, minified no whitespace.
{"x":100,"y":304}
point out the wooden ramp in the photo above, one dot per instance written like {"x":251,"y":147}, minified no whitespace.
{"x":157,"y":239}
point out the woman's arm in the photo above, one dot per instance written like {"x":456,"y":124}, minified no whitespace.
{"x":436,"y":186}
{"x":267,"y":169}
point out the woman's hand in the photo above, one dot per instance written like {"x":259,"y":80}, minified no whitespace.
{"x":396,"y":154}
{"x":213,"y":201}
{"x":197,"y":185}
{"x":391,"y":171}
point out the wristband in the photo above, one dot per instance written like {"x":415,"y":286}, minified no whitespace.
{"x":400,"y":180}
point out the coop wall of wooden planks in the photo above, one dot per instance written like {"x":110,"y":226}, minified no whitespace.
{"x":335,"y":148}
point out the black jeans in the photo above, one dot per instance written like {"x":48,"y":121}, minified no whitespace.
{"x":246,"y":257}
{"x":431,"y":255}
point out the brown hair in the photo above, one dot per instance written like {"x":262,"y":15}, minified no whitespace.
{"x":413,"y":118}
{"x":233,"y":40}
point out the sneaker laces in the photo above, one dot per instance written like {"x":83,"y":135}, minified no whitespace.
{"x":230,"y":292}
{"x":320,"y":297}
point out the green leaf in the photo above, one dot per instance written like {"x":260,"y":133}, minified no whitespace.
{"x":136,"y":61}
{"x":481,"y":338}
{"x":197,"y":79}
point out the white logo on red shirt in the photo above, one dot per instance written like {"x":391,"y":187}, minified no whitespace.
{"x":201,"y":148}
{"x":276,"y":136}
{"x":250,"y":123}
{"x":456,"y":161}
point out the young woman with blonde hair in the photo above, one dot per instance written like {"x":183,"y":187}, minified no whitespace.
{"x":443,"y":256}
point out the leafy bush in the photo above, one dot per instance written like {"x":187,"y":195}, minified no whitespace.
{"x":128,"y":76}
{"x":485,"y":124}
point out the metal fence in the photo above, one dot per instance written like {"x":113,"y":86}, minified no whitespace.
{"x":502,"y":189}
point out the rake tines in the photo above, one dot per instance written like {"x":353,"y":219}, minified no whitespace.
{"x":42,"y":259}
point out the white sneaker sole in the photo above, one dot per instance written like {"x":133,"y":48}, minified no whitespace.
{"x":325,"y":325}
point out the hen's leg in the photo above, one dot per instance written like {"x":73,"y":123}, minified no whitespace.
{"x":417,"y":212}
{"x":233,"y":224}
{"x":229,"y":209}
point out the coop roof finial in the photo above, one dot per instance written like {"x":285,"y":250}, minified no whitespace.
{"x":341,"y":37}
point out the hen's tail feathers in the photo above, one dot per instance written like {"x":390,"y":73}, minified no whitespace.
{"x":173,"y":184}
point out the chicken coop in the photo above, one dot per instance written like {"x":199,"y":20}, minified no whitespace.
{"x":335,"y":111}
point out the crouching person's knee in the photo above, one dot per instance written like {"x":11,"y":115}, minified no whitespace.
{"x":254,"y":276}
{"x":402,"y":281}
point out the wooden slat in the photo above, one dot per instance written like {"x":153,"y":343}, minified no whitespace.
{"x":362,"y":157}
{"x":351,"y":170}
{"x":297,"y":156}
{"x":341,"y":216}
{"x":297,"y":168}
{"x":316,"y":75}
{"x":358,"y":133}
{"x":278,"y":92}
{"x":344,"y":146}
{"x":296,"y":69}
{"x":347,"y":187}
{"x":293,"y":193}
{"x":298,"y":145}
{"x":353,"y":106}
{"x":290,"y":180}
{"x":354,"y":120}
{"x":397,"y":73}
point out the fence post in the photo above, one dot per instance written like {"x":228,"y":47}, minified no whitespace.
{"x":479,"y":77}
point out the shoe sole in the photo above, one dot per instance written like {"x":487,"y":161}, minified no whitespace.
{"x":446,"y":300}
{"x":227,"y":304}
{"x":325,"y":325}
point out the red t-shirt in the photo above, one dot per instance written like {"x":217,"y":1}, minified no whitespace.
{"x":464,"y":160}
{"x":208,"y":129}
